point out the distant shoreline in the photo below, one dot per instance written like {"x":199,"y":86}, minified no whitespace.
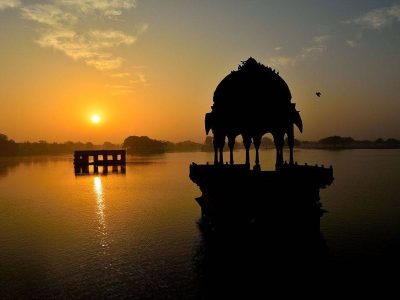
{"x":143,"y":145}
{"x":226,"y":150}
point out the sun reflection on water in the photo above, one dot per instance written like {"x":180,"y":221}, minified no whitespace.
{"x":98,"y":189}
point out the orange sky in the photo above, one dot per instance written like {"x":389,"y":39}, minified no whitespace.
{"x":151,"y":68}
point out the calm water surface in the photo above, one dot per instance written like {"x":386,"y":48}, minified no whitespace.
{"x":136,"y":235}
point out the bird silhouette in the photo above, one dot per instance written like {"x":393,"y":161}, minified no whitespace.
{"x":318,"y":94}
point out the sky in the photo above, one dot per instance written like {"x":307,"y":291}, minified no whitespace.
{"x":150,"y":67}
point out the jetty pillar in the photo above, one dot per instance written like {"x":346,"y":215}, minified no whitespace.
{"x":105,"y":169}
{"x":96,"y":163}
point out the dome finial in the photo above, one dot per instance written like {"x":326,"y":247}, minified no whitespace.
{"x":250,"y":62}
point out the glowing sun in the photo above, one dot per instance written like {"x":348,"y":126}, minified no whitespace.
{"x":95,"y":119}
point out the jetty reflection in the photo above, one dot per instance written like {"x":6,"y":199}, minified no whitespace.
{"x":103,"y":170}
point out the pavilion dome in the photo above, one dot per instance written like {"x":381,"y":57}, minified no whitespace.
{"x":252,"y":85}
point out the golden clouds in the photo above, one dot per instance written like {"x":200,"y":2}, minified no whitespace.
{"x":92,"y":46}
{"x":9,"y":4}
{"x":62,"y":30}
{"x":84,"y":30}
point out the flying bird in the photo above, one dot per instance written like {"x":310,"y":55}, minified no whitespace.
{"x":318,"y":94}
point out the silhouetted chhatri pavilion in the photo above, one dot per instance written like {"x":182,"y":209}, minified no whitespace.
{"x":250,"y":102}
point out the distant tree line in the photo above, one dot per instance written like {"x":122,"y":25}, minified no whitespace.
{"x":146,"y":145}
{"x":8,"y":147}
{"x":338,"y":142}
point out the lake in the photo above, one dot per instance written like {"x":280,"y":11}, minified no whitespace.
{"x":136,"y":235}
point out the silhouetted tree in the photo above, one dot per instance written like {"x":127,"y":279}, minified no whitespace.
{"x":110,"y":146}
{"x":392,"y":143}
{"x":336,"y":141}
{"x":89,"y":146}
{"x":7,"y":147}
{"x":297,"y":142}
{"x":144,"y":145}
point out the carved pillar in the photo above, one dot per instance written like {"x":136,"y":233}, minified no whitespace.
{"x":231,"y":144}
{"x":215,"y":145}
{"x":221,"y":145}
{"x":257,"y":143}
{"x":247,"y":143}
{"x":279,"y":140}
{"x":291,"y":143}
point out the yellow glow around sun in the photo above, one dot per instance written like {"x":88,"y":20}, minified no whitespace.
{"x":95,"y":119}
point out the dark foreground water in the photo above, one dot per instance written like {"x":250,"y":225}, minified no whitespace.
{"x":136,"y":235}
